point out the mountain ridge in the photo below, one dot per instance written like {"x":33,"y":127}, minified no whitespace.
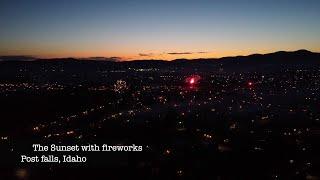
{"x":301,"y":52}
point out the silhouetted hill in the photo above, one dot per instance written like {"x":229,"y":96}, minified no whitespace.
{"x":255,"y":62}
{"x":17,"y":58}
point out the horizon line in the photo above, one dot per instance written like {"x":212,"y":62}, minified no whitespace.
{"x":119,"y":59}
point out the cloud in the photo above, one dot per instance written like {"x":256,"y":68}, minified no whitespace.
{"x":186,"y":53}
{"x":171,"y":53}
{"x":103,"y":58}
{"x":202,"y":52}
{"x":116,"y":58}
{"x":179,"y":53}
{"x":146,"y":55}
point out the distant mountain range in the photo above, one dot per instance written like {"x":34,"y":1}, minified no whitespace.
{"x":71,"y":70}
{"x":17,"y":58}
{"x":280,"y":55}
{"x":254,"y":62}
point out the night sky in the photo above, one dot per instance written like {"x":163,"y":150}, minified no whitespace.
{"x":148,"y":29}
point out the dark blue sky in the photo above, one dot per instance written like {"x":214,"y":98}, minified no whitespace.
{"x":152,"y":29}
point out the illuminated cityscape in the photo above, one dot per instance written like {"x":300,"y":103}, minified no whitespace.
{"x":194,"y":119}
